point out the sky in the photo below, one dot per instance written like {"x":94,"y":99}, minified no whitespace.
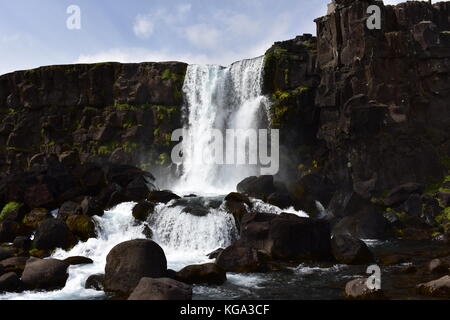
{"x":35,"y":33}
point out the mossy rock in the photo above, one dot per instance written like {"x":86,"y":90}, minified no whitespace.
{"x":81,"y":226}
{"x":33,"y":218}
{"x":9,"y":208}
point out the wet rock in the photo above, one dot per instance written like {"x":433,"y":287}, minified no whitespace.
{"x":161,"y":289}
{"x":14,"y":212}
{"x":82,"y":226}
{"x":209,"y":273}
{"x":14,"y":264}
{"x":436,"y":288}
{"x":138,"y":189}
{"x":402,"y":193}
{"x":95,"y":282}
{"x":45,"y":274}
{"x":162,"y":196}
{"x":281,"y":200}
{"x":349,"y":250}
{"x":287,"y":236}
{"x":22,"y":243}
{"x":77,"y":260}
{"x":367,"y":223}
{"x":52,"y":234}
{"x":10,"y":282}
{"x":257,"y":187}
{"x":7,"y":252}
{"x":439,"y":265}
{"x":240,"y":259}
{"x":90,"y":206}
{"x":69,"y":208}
{"x":214,"y":254}
{"x":35,"y":216}
{"x":147,"y":232}
{"x":130,"y":261}
{"x":9,"y":230}
{"x":357,"y":289}
{"x":238,"y":197}
{"x":142,"y":210}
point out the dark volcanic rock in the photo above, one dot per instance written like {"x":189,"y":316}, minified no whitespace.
{"x":52,"y":234}
{"x":14,"y":264}
{"x":287,"y":236}
{"x":161,"y":289}
{"x":10,"y":282}
{"x":209,"y":273}
{"x":348,"y":250}
{"x":45,"y":274}
{"x":77,"y":260}
{"x":436,"y":288}
{"x":130,"y":261}
{"x":142,"y":210}
{"x":82,"y":226}
{"x":240,"y":259}
{"x":95,"y":282}
{"x":162,"y":196}
{"x":358,"y":290}
{"x":257,"y":187}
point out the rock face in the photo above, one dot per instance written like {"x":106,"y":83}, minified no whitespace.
{"x":358,"y":290}
{"x":10,"y":282}
{"x":46,"y":274}
{"x":349,"y":250}
{"x":106,"y":112}
{"x":436,"y":288}
{"x":130,"y":261}
{"x":209,"y":273}
{"x":367,"y":110}
{"x":161,"y":289}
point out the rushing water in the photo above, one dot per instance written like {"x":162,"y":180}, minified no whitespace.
{"x":219,"y":98}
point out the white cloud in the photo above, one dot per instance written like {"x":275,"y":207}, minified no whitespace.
{"x":203,"y":36}
{"x":143,"y":26}
{"x":182,"y":9}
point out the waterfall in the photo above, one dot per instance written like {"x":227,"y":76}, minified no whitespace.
{"x":219,"y":98}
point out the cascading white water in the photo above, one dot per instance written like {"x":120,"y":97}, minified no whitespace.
{"x":219,"y":98}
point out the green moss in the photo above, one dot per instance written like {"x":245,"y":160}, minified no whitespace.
{"x":9,"y":207}
{"x":169,"y":75}
{"x":104,"y":150}
{"x":130,"y":147}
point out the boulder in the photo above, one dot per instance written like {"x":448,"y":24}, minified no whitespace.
{"x":14,"y":264}
{"x":287,"y":236}
{"x":209,"y":273}
{"x":439,"y":265}
{"x":238,"y":197}
{"x":162,"y":196}
{"x":142,"y":210}
{"x":137,"y":189}
{"x":436,"y":288}
{"x":39,"y":195}
{"x":241,"y":259}
{"x":349,"y":250}
{"x":401,"y":193}
{"x":77,"y":260}
{"x":92,"y":207}
{"x":257,"y":187}
{"x":52,"y":234}
{"x":45,"y":274}
{"x":367,"y":223}
{"x":7,"y":252}
{"x":95,"y":282}
{"x":22,"y":243}
{"x":10,"y":282}
{"x":130,"y":261}
{"x":281,"y":200}
{"x":82,"y":226}
{"x":9,"y":230}
{"x":13,"y":211}
{"x":68,"y":208}
{"x":161,"y":289}
{"x":215,"y":253}
{"x":35,"y":216}
{"x":357,"y":289}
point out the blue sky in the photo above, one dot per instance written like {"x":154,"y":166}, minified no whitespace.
{"x":34,"y":33}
